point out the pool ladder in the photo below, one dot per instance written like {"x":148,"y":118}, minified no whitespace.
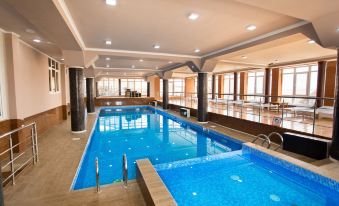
{"x":124,"y":172}
{"x":268,"y":140}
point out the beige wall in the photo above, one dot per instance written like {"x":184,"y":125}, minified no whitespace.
{"x":27,"y":80}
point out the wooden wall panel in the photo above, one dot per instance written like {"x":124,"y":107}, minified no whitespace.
{"x":276,"y":89}
{"x":122,"y":101}
{"x":330,"y":82}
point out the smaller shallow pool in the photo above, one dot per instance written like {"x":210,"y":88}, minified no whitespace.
{"x":241,"y":178}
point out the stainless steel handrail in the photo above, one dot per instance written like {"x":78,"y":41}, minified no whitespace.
{"x":97,"y":175}
{"x":281,"y":139}
{"x":265,"y":139}
{"x":16,"y":152}
{"x":124,"y":170}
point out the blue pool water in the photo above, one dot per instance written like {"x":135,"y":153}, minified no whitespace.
{"x":239,"y":179}
{"x":144,"y":132}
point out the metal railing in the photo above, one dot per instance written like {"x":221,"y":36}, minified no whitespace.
{"x":262,"y":109}
{"x":124,"y":170}
{"x":22,"y":150}
{"x":97,"y":175}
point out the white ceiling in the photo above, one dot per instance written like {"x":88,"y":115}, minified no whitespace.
{"x":135,"y":26}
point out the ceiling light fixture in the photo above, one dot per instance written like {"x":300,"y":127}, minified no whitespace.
{"x":170,"y":62}
{"x":244,"y":57}
{"x":156,"y":46}
{"x":108,"y":42}
{"x":197,"y":50}
{"x":107,"y":58}
{"x":337,"y":30}
{"x":251,"y":27}
{"x":141,"y":60}
{"x":111,"y":2}
{"x":37,"y":40}
{"x":107,"y":65}
{"x":133,"y":66}
{"x":311,"y":41}
{"x":193,"y":16}
{"x":62,"y":59}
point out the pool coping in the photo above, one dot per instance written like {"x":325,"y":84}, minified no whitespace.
{"x":151,"y":185}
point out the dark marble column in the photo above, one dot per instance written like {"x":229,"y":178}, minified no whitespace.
{"x":334,"y":150}
{"x":90,"y":95}
{"x":97,"y":89}
{"x":235,"y":86}
{"x":148,"y":89}
{"x":202,"y":97}
{"x":119,"y":87}
{"x":76,"y":86}
{"x":267,"y":84}
{"x":321,"y":82}
{"x":165,"y":94}
{"x":213,"y":86}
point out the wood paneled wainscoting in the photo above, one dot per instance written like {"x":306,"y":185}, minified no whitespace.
{"x":43,"y":120}
{"x":122,"y":101}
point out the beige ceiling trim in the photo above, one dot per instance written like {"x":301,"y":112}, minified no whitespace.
{"x":324,"y":58}
{"x":253,"y":40}
{"x":141,"y":53}
{"x":242,"y":63}
{"x":65,"y":13}
{"x":127,"y":69}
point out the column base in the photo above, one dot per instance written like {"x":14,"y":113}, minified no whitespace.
{"x":79,"y":132}
{"x":333,"y":160}
{"x":202,"y":122}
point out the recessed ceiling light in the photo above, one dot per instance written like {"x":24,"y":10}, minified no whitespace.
{"x":37,"y":40}
{"x":107,"y":58}
{"x":244,"y":57}
{"x":337,"y":29}
{"x":156,"y":46}
{"x":111,"y":2}
{"x":197,"y":50}
{"x":141,"y":60}
{"x":62,"y":59}
{"x":156,"y":67}
{"x":107,"y":66}
{"x":133,"y":66}
{"x":193,"y":16}
{"x":251,"y":27}
{"x":108,"y":42}
{"x":311,"y":41}
{"x":170,"y":62}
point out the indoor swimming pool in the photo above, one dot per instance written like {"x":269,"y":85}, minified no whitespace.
{"x":143,"y":132}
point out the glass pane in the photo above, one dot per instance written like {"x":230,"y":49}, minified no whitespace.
{"x":301,"y":69}
{"x":301,"y":84}
{"x":260,"y":85}
{"x":287,"y":84}
{"x":314,"y":68}
{"x":250,"y":85}
{"x":286,"y":71}
{"x":313,"y":83}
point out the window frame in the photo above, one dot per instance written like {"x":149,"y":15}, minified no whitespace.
{"x":53,"y":81}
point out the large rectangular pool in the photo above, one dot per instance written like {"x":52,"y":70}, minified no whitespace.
{"x":144,"y":132}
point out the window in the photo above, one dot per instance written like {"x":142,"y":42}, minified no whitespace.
{"x":300,"y":81}
{"x":176,"y":87}
{"x":255,"y":84}
{"x":53,"y":75}
{"x":138,"y":85}
{"x":108,"y":87}
{"x":229,"y":83}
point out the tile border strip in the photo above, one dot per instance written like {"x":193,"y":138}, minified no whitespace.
{"x":303,"y":169}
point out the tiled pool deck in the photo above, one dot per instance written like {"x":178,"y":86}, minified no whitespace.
{"x":48,"y":183}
